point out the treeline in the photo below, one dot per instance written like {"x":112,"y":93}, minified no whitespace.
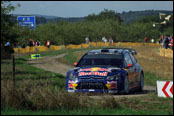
{"x":107,"y":23}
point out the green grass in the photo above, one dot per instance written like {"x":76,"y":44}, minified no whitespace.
{"x":89,"y":111}
{"x":72,"y":57}
{"x":150,"y":79}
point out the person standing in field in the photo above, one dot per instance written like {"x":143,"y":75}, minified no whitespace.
{"x":33,"y":43}
{"x":145,"y":39}
{"x":104,"y":39}
{"x":48,"y":43}
{"x":171,"y":42}
{"x":37,"y":43}
{"x":152,"y":40}
{"x":87,"y":40}
{"x":166,"y":42}
{"x":111,"y":41}
{"x":30,"y":43}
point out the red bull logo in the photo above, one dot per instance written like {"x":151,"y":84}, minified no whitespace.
{"x":95,"y":69}
{"x":93,"y":73}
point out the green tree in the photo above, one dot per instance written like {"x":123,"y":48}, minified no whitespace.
{"x":105,"y":14}
{"x":7,"y":29}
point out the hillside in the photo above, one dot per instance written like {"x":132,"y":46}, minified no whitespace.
{"x":132,"y":16}
{"x":127,"y":17}
{"x":41,"y":19}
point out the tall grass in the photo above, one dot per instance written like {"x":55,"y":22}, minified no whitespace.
{"x":40,"y":98}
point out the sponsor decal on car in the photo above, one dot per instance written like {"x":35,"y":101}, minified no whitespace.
{"x":95,"y":69}
{"x":73,"y":86}
{"x":93,"y":73}
{"x":73,"y":82}
{"x":111,"y":84}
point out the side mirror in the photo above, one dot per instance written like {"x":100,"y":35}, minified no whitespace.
{"x":130,"y":65}
{"x":75,"y":64}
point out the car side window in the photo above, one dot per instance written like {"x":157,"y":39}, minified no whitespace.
{"x":127,"y":59}
{"x":125,"y":63}
{"x":133,"y":59}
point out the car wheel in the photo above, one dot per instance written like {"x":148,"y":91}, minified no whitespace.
{"x":126,"y":85}
{"x":141,"y":82}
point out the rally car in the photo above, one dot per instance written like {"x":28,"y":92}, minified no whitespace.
{"x":109,"y":70}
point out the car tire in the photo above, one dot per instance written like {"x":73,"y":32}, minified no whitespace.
{"x":141,"y":85}
{"x":126,"y":85}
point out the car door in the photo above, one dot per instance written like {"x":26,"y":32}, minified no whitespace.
{"x":137,"y":69}
{"x":131,"y":70}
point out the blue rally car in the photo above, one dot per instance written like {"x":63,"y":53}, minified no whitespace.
{"x":109,"y":70}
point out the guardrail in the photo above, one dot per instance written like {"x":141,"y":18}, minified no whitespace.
{"x":71,"y":46}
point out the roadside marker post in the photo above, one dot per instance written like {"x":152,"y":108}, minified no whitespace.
{"x":35,"y":56}
{"x":13,"y":69}
{"x":165,"y":89}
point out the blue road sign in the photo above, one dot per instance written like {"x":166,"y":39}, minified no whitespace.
{"x":29,"y":21}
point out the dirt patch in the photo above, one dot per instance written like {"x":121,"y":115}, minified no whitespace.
{"x":50,"y":63}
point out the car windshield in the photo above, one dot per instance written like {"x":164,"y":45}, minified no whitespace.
{"x":104,"y":60}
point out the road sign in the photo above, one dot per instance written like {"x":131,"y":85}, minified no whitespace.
{"x":165,"y":88}
{"x":29,"y":21}
{"x":35,"y":56}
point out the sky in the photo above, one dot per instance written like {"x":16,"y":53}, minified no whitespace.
{"x":84,"y":8}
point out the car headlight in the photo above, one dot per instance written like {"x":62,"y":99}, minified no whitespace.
{"x":114,"y":77}
{"x":73,"y":77}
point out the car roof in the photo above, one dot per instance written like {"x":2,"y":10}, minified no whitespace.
{"x":112,"y":51}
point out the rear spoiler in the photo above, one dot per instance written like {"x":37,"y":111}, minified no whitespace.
{"x":132,"y":51}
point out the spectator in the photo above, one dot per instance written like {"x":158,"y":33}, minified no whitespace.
{"x":87,"y":40}
{"x":48,"y":43}
{"x":166,"y":42}
{"x":33,"y":43}
{"x":152,"y":40}
{"x":168,"y":36}
{"x":37,"y":43}
{"x":163,"y":46}
{"x":30,"y":43}
{"x":161,"y":40}
{"x":111,"y":41}
{"x":7,"y":44}
{"x":145,"y":39}
{"x":171,"y":42}
{"x":104,"y":39}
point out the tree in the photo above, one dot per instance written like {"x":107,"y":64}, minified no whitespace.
{"x":103,"y":15}
{"x":7,"y":32}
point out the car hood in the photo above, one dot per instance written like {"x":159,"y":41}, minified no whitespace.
{"x":95,"y":71}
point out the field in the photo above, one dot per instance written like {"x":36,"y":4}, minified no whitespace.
{"x":37,"y":91}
